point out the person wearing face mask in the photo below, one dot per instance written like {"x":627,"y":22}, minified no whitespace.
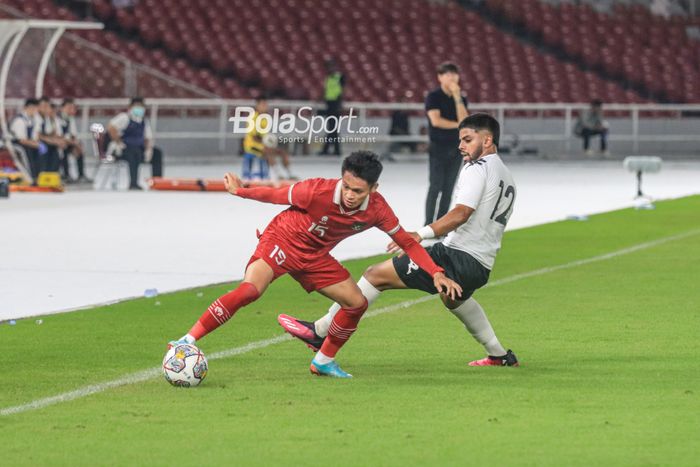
{"x":131,"y":139}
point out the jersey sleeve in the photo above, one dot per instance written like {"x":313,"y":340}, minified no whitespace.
{"x":471,"y":186}
{"x":73,"y":127}
{"x":431,"y":101}
{"x":265,"y":194}
{"x":301,"y":194}
{"x":18,"y":128}
{"x":387,"y":221}
{"x":147,"y":131}
{"x":416,"y":252}
{"x":120,"y":122}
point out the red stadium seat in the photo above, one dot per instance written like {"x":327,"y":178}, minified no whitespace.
{"x":222,"y":46}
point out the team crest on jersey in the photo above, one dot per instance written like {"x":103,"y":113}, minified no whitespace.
{"x":357,"y":226}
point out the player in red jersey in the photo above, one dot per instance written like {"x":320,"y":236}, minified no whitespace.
{"x":297,"y":241}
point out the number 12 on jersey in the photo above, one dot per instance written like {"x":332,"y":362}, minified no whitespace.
{"x":502,"y":218}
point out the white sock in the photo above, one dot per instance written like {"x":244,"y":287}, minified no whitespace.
{"x":322,"y":359}
{"x":368,"y":290}
{"x":472,"y":315}
{"x":188,"y":338}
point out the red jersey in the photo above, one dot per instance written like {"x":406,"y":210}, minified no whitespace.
{"x":317,"y":221}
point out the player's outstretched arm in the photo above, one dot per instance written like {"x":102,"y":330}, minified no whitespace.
{"x":421,"y":257}
{"x":446,"y":224}
{"x":234,"y":185}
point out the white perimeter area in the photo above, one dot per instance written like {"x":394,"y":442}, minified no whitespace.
{"x":65,"y":251}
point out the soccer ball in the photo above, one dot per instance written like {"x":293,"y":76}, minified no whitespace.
{"x":185,"y":366}
{"x":269,"y":140}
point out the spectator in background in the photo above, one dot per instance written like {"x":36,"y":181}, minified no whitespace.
{"x":24,"y":128}
{"x":49,"y":134}
{"x":590,"y":123}
{"x":264,"y":145}
{"x":69,"y":131}
{"x":445,"y":108}
{"x":333,"y":96}
{"x":131,"y":139}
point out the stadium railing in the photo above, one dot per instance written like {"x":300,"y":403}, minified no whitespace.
{"x":558,"y":119}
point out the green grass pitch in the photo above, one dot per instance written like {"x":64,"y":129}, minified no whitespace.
{"x":609,"y":349}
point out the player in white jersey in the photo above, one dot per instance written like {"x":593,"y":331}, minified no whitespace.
{"x":481,"y":206}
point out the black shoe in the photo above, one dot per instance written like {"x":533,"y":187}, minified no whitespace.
{"x":510,"y":359}
{"x":305,"y":331}
{"x":135,"y":187}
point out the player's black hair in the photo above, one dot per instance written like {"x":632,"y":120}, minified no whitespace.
{"x":31,"y":101}
{"x":44,"y":99}
{"x":363,"y":164}
{"x":596,"y":103}
{"x":67,"y":100}
{"x":447,"y":67}
{"x":137,"y":100}
{"x":482,"y":121}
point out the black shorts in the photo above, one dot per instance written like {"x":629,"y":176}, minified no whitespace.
{"x":459,"y":266}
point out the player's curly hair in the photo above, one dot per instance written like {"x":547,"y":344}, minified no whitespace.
{"x":482,"y":121}
{"x":363,"y":164}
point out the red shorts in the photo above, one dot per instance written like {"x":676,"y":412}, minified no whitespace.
{"x":312,"y":272}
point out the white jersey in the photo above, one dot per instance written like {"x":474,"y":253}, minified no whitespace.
{"x":121,"y":122}
{"x":487,"y":186}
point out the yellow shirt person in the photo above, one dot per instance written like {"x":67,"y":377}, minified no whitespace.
{"x":252,"y":143}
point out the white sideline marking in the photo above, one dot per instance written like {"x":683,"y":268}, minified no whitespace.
{"x":153,"y":372}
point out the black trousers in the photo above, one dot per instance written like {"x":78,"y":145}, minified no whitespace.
{"x":47,"y":162}
{"x":444,"y":164}
{"x":35,"y":165}
{"x":80,"y":161}
{"x":586,"y":134}
{"x":51,"y":160}
{"x":333,"y":109}
{"x":134,"y":156}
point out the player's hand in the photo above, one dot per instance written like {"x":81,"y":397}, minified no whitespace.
{"x":446,"y":285}
{"x":232,"y":183}
{"x":392,"y":247}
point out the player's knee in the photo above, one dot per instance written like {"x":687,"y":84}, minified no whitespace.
{"x":358,"y":308}
{"x":374,"y":275}
{"x":449,"y":303}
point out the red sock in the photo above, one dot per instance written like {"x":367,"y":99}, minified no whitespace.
{"x":343,"y":325}
{"x":223,"y":309}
